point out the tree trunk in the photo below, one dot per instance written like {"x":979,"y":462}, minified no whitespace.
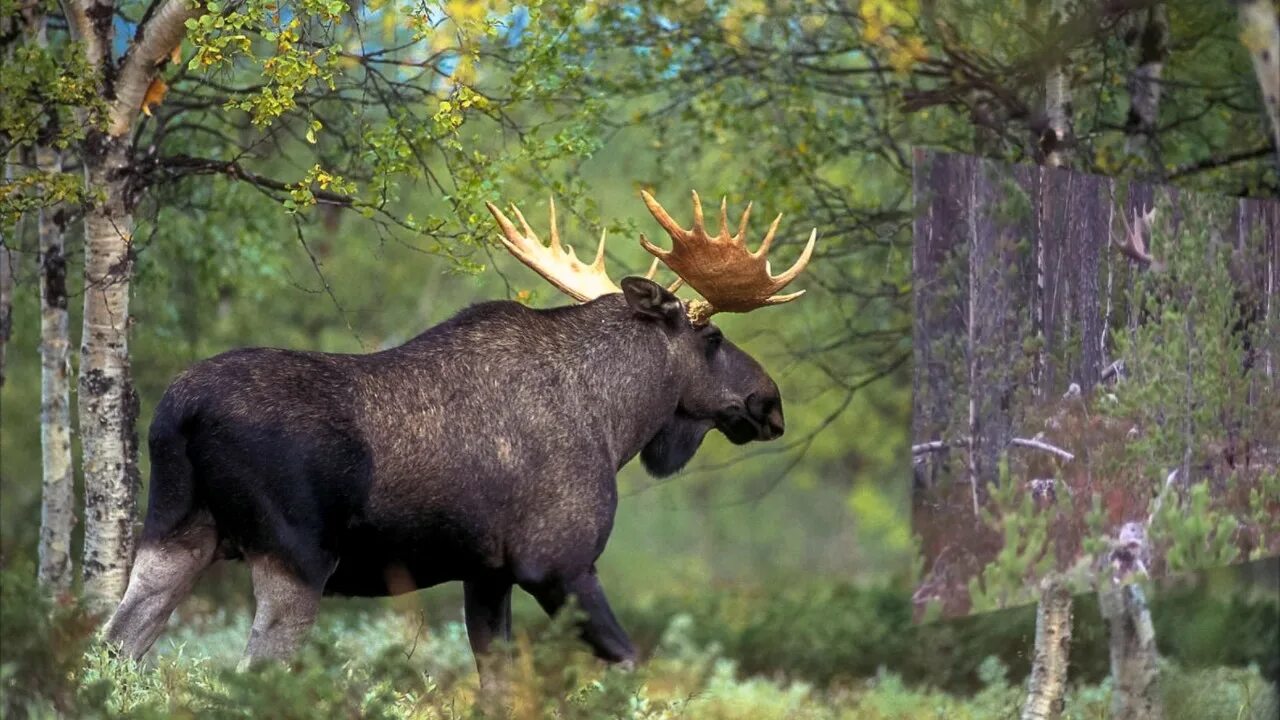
{"x":57,"y":499}
{"x":1135,"y":672}
{"x":8,"y":238}
{"x":1047,"y":684}
{"x":1260,"y":33}
{"x":1151,"y":39}
{"x":6,"y":296}
{"x":108,"y":406}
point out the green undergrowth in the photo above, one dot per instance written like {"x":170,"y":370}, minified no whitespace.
{"x":834,"y":653}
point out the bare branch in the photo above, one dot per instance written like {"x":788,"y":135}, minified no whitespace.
{"x":939,"y":445}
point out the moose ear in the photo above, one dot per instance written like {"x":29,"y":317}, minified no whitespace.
{"x":650,"y":299}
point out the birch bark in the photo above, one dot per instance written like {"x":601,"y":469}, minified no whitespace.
{"x":57,"y":497}
{"x":108,"y":405}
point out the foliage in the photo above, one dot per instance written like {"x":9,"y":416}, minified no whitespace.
{"x":702,"y":664}
{"x":1026,"y":552}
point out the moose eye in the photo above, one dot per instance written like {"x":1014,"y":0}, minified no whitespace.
{"x":713,"y":339}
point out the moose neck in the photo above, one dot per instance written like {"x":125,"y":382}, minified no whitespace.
{"x":594,"y":370}
{"x":624,"y":374}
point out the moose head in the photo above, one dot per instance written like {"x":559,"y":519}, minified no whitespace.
{"x":722,"y":386}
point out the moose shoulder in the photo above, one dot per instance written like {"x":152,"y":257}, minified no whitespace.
{"x":484,"y":451}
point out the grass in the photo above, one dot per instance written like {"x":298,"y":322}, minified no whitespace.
{"x":389,"y":663}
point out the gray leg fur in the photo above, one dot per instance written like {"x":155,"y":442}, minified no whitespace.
{"x":286,"y":609}
{"x":163,"y":573}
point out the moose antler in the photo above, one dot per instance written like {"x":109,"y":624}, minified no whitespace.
{"x":1134,"y":246}
{"x":729,"y":277}
{"x":557,"y":263}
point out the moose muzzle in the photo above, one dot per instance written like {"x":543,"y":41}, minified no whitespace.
{"x":758,"y":418}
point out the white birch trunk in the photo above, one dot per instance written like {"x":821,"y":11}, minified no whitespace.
{"x":1057,"y":98}
{"x":7,"y":235}
{"x":1047,"y":684}
{"x":57,"y":498}
{"x":107,"y":404}
{"x":1135,"y":673}
{"x":6,"y":296}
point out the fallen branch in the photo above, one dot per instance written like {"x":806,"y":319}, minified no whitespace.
{"x":939,"y":445}
{"x":1041,"y":445}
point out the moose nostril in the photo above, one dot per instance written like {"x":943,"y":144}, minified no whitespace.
{"x":776,"y":423}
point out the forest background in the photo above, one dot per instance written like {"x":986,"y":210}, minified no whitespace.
{"x":312,"y":176}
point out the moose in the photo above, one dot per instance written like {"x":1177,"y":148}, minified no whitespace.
{"x":484,"y":450}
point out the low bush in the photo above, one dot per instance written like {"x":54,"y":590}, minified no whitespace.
{"x":839,"y":653}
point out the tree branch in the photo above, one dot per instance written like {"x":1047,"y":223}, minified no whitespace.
{"x":1030,"y":443}
{"x":1214,"y":162}
{"x":157,"y":36}
{"x":188,"y":165}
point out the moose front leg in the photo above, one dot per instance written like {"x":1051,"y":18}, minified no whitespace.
{"x":600,"y":629}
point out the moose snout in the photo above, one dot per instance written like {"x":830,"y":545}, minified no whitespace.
{"x":766,"y":411}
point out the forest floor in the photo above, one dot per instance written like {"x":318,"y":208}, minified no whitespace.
{"x":731,"y":657}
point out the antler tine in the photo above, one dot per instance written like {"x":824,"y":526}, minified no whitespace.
{"x":653,"y":270}
{"x":598,"y":264}
{"x":657,"y":252}
{"x":653,"y":273}
{"x":780,"y":299}
{"x":741,"y":237}
{"x":698,"y":227}
{"x":558,"y":265}
{"x":724,"y":218}
{"x":508,"y":230}
{"x":800,"y":264}
{"x":555,"y":225}
{"x":524,"y":225}
{"x":660,"y":214}
{"x":765,"y":244}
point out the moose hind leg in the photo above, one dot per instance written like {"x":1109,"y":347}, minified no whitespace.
{"x":488,"y":613}
{"x":487,"y":606}
{"x":600,"y":629}
{"x":286,"y":607}
{"x":163,"y":574}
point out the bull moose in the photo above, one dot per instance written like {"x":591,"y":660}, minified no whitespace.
{"x":484,"y":450}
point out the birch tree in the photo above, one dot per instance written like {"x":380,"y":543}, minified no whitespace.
{"x":1148,"y":34}
{"x":108,"y":405}
{"x":1046,"y":686}
{"x":57,"y":506}
{"x":6,"y":299}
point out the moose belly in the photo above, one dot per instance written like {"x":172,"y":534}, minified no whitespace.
{"x":379,"y":561}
